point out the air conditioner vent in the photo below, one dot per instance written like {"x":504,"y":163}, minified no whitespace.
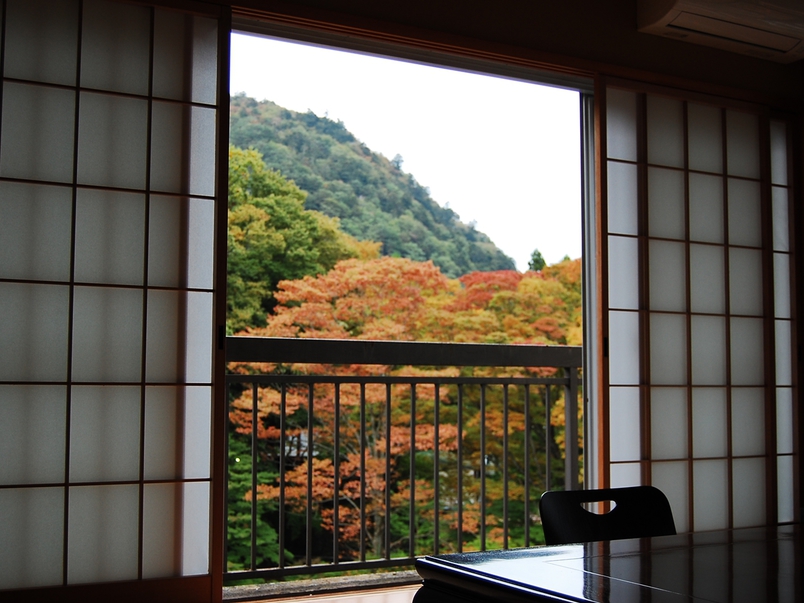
{"x":769,"y":29}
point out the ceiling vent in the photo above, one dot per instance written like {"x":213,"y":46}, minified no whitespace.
{"x":768,"y":29}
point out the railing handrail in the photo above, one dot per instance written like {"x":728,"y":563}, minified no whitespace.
{"x":396,"y":353}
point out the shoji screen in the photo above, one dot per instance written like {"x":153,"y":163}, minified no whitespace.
{"x":107,"y":201}
{"x":699,"y":323}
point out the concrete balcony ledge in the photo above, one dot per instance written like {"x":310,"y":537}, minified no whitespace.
{"x":297,"y":589}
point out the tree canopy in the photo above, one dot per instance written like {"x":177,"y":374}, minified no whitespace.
{"x":371,"y":196}
{"x":272,"y":237}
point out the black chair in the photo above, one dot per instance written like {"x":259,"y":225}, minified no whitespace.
{"x":639,"y":512}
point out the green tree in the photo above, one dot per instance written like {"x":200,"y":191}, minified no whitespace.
{"x":272,"y":237}
{"x":537,"y":262}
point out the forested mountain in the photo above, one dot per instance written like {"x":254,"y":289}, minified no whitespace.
{"x":373,"y":198}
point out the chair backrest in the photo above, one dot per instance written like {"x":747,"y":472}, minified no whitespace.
{"x":640,"y":512}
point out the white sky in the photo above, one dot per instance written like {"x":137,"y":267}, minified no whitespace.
{"x":502,"y":153}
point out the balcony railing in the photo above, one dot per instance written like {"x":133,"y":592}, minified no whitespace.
{"x":370,"y":465}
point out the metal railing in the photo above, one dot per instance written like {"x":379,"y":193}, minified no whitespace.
{"x":353,"y":470}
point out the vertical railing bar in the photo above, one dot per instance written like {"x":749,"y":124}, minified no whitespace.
{"x":412,"y":512}
{"x":362,"y":472}
{"x":254,"y":422}
{"x":505,"y":466}
{"x":436,"y":470}
{"x":387,"y":520}
{"x":527,"y":465}
{"x":571,"y":430}
{"x":548,"y":438}
{"x":460,"y":467}
{"x":483,"y":467}
{"x":336,"y":490}
{"x":309,"y":516}
{"x":282,"y":446}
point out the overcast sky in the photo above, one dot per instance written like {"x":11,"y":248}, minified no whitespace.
{"x":501,"y":153}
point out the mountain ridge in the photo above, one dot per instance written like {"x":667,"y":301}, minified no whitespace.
{"x":373,"y":198}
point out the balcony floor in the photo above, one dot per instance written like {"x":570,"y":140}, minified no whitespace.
{"x":395,"y":594}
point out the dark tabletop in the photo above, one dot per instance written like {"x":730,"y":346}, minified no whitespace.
{"x":753,"y":565}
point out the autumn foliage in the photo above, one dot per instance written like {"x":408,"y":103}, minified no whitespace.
{"x":382,"y":436}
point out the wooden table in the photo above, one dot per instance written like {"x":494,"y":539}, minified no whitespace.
{"x":754,"y":565}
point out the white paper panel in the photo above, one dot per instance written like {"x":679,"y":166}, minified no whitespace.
{"x":198,"y":363}
{"x":710,"y":495}
{"x":115,"y":47}
{"x":668,"y":276}
{"x":31,"y":530}
{"x":622,"y":198}
{"x":175,"y":530}
{"x":621,"y":124}
{"x":745,"y":219}
{"x":709,"y":350}
{"x":33,"y":329}
{"x":747,"y":421}
{"x":785,"y":482}
{"x":742,"y":143}
{"x":784,"y":420}
{"x":784,"y":353}
{"x":778,"y":136}
{"x":781,"y":226}
{"x":747,"y":355}
{"x":668,"y":349}
{"x":104,"y":434}
{"x":183,"y":149}
{"x":41,"y":41}
{"x":668,"y":422}
{"x":112,"y":139}
{"x":195,"y":532}
{"x":107,"y":334}
{"x":781,"y":285}
{"x":666,"y":213}
{"x":161,"y":523}
{"x":102,"y":534}
{"x":37,"y":141}
{"x":745,"y":281}
{"x":200,"y":257}
{"x":748,"y":494}
{"x":705,"y":138}
{"x":182,"y":41}
{"x":709,"y":422}
{"x":623,"y":273}
{"x":164,"y":241}
{"x":623,"y":348}
{"x":110,"y":237}
{"x":624,"y":421}
{"x":35,"y":231}
{"x":198,"y":432}
{"x":26,"y":413}
{"x":165,"y":255}
{"x":672,"y":479}
{"x":706,"y":208}
{"x":624,"y":475}
{"x":179,"y":346}
{"x":165,"y":345}
{"x":665,"y":131}
{"x":177,"y":432}
{"x":707,"y":279}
